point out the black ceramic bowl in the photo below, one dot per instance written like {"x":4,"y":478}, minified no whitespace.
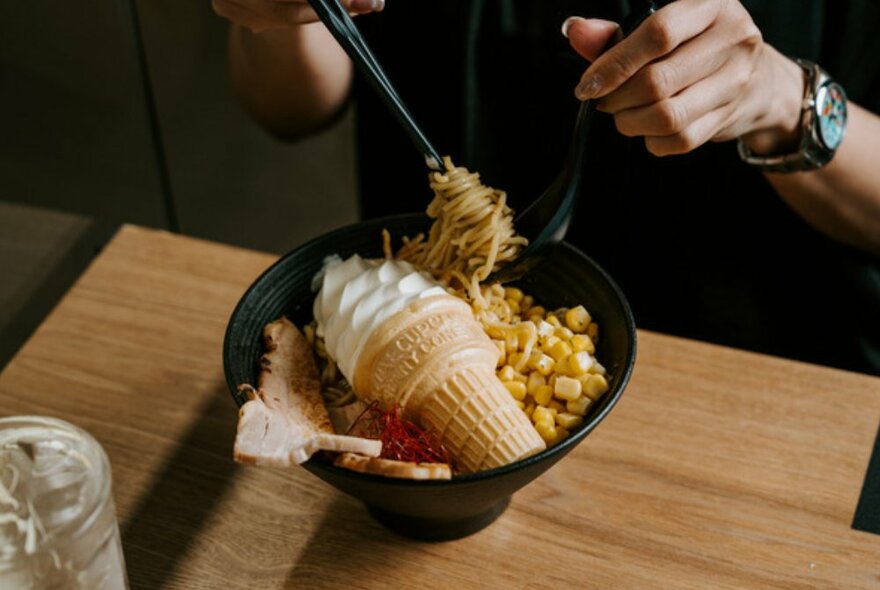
{"x":433,"y":510}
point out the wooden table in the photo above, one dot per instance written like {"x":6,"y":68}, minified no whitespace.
{"x":718,"y":468}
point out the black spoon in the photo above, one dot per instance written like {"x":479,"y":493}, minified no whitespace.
{"x":337,"y":20}
{"x":546,"y":220}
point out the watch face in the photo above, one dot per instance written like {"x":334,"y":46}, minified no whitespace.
{"x":831,"y":111}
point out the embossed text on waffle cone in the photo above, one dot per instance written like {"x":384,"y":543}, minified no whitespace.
{"x":435,"y":361}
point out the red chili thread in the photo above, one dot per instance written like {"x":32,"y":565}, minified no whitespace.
{"x":402,"y":439}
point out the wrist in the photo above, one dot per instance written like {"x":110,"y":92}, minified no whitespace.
{"x":777,"y":129}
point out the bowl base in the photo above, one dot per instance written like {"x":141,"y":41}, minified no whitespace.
{"x":437,"y":529}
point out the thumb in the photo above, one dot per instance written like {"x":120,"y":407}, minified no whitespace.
{"x":589,"y":36}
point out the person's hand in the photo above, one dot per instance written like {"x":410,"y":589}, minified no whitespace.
{"x":267,"y":15}
{"x":695,"y":71}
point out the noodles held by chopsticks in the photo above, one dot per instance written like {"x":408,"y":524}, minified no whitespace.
{"x":472,"y":234}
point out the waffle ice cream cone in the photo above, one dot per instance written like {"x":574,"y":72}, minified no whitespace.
{"x":435,"y":362}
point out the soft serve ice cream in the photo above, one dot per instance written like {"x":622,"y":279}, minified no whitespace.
{"x":402,"y":340}
{"x":357,"y":296}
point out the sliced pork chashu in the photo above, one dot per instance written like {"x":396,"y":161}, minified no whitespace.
{"x":285,"y":421}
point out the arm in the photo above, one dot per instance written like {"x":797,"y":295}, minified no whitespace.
{"x":286,"y":69}
{"x":842,"y":199}
{"x":699,"y":71}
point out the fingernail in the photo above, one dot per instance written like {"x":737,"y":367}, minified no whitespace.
{"x":367,"y":5}
{"x":588,"y":88}
{"x":566,"y":24}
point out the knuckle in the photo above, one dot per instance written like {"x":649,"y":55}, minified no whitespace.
{"x":671,"y":116}
{"x":661,"y":33}
{"x":659,"y":82}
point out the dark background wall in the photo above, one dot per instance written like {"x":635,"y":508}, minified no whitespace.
{"x":75,"y":131}
{"x":81,"y":154}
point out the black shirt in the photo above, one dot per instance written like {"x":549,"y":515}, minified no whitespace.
{"x":700,"y":243}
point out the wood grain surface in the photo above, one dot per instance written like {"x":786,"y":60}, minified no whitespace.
{"x":718,"y":468}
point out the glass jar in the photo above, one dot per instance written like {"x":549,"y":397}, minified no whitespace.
{"x":58,"y":526}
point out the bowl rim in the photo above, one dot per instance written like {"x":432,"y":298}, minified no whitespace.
{"x":561,"y":448}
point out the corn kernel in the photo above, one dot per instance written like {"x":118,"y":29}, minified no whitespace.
{"x":551,"y":380}
{"x":513,"y":293}
{"x":527,"y":303}
{"x":547,"y":431}
{"x":511,"y":342}
{"x":556,"y":407}
{"x":595,"y":386}
{"x":516,"y":389}
{"x":535,"y":381}
{"x":579,"y":406}
{"x":554,"y":321}
{"x":506,"y":373}
{"x":593,"y":332}
{"x":598,"y":368}
{"x":561,"y":434}
{"x":582,"y":342}
{"x":568,"y":421}
{"x":537,"y":310}
{"x":520,"y":405}
{"x":513,"y":305}
{"x":540,"y":362}
{"x":580,"y":362}
{"x":560,"y":350}
{"x":562,"y":368}
{"x":577,"y":318}
{"x":563,"y":333}
{"x":513,"y":359}
{"x":567,"y":388}
{"x":542,"y":414}
{"x":549,"y":343}
{"x":497,"y":290}
{"x":543,"y":394}
{"x":545,"y":330}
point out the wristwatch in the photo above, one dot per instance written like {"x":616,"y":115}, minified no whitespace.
{"x":823,"y":122}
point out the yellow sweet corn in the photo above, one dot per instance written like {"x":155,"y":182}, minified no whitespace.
{"x":568,"y":421}
{"x":561,"y":434}
{"x":579,"y":406}
{"x":595,"y":386}
{"x":563,"y":333}
{"x":554,"y":321}
{"x":567,"y":388}
{"x":506,"y":373}
{"x":517,"y":389}
{"x":514,"y":294}
{"x":549,"y":343}
{"x":582,"y":343}
{"x":560,"y":350}
{"x":542,"y":414}
{"x":540,"y":362}
{"x":535,"y":381}
{"x":580,"y":362}
{"x":513,"y":359}
{"x":543,"y":394}
{"x":526,"y":303}
{"x":547,"y":430}
{"x":578,"y":319}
